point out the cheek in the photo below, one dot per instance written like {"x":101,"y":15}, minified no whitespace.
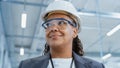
{"x":46,"y":34}
{"x":46,"y":37}
{"x":68,"y":32}
{"x":71,"y":31}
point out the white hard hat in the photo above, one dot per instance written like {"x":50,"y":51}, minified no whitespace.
{"x":62,"y":6}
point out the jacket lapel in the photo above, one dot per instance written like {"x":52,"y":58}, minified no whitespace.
{"x":42,"y":62}
{"x":79,"y":62}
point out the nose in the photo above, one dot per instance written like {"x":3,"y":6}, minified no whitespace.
{"x":54,"y":28}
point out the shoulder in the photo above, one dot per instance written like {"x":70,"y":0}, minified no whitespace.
{"x":89,"y":63}
{"x":92,"y":63}
{"x":29,"y":62}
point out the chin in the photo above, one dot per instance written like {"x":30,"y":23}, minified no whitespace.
{"x":55,"y":43}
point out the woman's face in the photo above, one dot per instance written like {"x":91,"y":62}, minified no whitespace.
{"x":60,"y":35}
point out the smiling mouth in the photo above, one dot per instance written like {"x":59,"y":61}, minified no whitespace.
{"x":55,"y":36}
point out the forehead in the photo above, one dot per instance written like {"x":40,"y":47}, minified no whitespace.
{"x":59,"y":15}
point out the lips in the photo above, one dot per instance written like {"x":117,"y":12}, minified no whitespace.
{"x":54,"y":36}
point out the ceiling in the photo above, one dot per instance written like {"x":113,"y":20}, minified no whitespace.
{"x":98,"y":17}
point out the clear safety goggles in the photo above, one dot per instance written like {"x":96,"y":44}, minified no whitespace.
{"x":60,"y":22}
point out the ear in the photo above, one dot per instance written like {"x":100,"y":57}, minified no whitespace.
{"x":75,"y":32}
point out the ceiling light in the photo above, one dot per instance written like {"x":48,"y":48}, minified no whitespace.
{"x":56,"y":0}
{"x":21,"y":51}
{"x":85,"y":13}
{"x":23,"y":20}
{"x":113,"y":30}
{"x":115,"y":15}
{"x":106,"y":56}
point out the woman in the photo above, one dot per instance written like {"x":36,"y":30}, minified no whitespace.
{"x":63,"y":48}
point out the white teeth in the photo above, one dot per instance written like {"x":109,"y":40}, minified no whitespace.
{"x":54,"y":36}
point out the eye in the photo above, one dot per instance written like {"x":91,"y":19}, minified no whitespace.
{"x":47,"y":24}
{"x":62,"y":23}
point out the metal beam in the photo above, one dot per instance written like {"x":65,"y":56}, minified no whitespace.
{"x":4,"y":29}
{"x":21,"y":36}
{"x":114,"y":15}
{"x":27,"y":3}
{"x":97,"y":54}
{"x":34,"y":47}
{"x":91,"y":54}
{"x":84,"y":12}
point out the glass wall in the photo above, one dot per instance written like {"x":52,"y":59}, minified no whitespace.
{"x":4,"y":58}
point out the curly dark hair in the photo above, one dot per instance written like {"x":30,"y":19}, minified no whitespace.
{"x":76,"y":47}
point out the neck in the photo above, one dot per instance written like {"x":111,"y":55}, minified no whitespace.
{"x":61,"y":53}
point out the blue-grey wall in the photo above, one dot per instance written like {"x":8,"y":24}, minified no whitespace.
{"x":4,"y":56}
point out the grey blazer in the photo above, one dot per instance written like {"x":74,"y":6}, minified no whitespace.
{"x":43,"y":61}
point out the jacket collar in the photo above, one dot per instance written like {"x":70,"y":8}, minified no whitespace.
{"x":42,"y":62}
{"x":79,"y":61}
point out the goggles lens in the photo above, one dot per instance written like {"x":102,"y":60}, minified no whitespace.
{"x":61,"y":22}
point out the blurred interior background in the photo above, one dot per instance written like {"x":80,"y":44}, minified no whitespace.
{"x":100,"y":34}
